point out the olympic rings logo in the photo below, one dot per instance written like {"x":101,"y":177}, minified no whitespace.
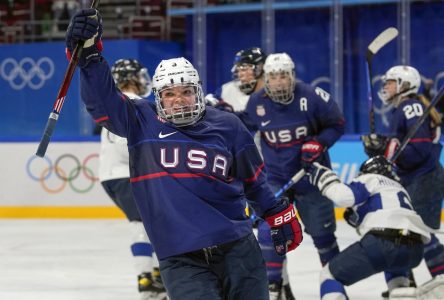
{"x":67,"y":169}
{"x":27,"y":72}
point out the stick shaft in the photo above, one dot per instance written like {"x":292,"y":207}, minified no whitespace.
{"x":380,"y":41}
{"x":290,"y":183}
{"x":61,"y":95}
{"x":418,"y":124}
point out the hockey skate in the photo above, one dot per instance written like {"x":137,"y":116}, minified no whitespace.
{"x":412,"y":283}
{"x":278,"y":291}
{"x":151,"y":287}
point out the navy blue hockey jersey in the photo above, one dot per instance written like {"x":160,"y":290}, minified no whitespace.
{"x":190,"y":183}
{"x":284,"y":129}
{"x":421,"y":155}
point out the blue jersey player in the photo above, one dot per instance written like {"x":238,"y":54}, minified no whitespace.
{"x":192,"y":170}
{"x":418,"y":165}
{"x":393,"y":234}
{"x":298,"y":124}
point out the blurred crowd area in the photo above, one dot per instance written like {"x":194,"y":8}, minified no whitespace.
{"x":46,"y":20}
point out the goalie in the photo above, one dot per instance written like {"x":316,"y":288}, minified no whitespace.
{"x":393,"y":234}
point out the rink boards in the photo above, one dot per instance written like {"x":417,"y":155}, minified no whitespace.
{"x":65,"y":183}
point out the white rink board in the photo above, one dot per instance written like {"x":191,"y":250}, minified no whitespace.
{"x":28,"y":180}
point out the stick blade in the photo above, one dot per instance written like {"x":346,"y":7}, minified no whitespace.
{"x":382,"y":39}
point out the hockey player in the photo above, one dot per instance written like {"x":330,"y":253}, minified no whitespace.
{"x":418,"y":165}
{"x":247,"y":74}
{"x":192,"y":169}
{"x":134,"y":81}
{"x":298,"y":123}
{"x":393,"y":234}
{"x":233,"y":96}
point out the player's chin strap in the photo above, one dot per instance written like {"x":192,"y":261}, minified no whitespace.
{"x":392,"y":98}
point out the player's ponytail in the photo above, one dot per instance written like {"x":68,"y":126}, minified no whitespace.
{"x":434,"y":114}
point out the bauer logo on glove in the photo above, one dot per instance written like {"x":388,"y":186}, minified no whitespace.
{"x":286,"y":231}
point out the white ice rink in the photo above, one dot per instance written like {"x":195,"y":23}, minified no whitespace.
{"x":90,"y":260}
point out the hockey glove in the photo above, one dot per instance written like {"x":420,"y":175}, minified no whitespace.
{"x":374,"y":144}
{"x":211,"y":100}
{"x":86,"y":25}
{"x":286,"y":231}
{"x":310,"y":152}
{"x":351,"y":217}
{"x":321,"y":176}
{"x":222,"y":105}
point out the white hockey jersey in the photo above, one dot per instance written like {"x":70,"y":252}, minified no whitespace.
{"x":378,"y":202}
{"x":114,"y":157}
{"x":231,"y":94}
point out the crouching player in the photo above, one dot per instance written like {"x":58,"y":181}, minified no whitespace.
{"x":393,"y":234}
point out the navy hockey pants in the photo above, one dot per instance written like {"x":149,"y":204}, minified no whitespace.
{"x":231,"y":271}
{"x":372,"y":255}
{"x":427,"y":193}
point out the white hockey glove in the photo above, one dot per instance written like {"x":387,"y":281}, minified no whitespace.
{"x":321,"y":176}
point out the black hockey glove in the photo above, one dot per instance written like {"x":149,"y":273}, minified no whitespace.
{"x":374,"y":144}
{"x":286,"y":231}
{"x":321,"y":176}
{"x":351,"y":217}
{"x":222,"y":105}
{"x":86,"y":25}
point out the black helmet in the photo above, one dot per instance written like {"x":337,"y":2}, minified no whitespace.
{"x":130,"y":71}
{"x":379,"y":165}
{"x":253,"y":57}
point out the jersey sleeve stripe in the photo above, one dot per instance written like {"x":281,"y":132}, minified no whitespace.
{"x":256,"y":174}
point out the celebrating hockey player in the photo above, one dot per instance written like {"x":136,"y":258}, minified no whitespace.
{"x":298,"y":124}
{"x":134,"y":81}
{"x":192,"y":169}
{"x":393,"y":234}
{"x":418,"y":165}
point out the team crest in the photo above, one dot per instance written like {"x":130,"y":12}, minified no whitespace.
{"x":260,"y":110}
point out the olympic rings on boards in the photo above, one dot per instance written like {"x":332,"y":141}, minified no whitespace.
{"x":67,"y":177}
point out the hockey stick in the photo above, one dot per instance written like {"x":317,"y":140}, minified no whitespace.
{"x":54,"y":115}
{"x":401,"y":147}
{"x":418,"y":123}
{"x":290,"y":183}
{"x":380,"y":41}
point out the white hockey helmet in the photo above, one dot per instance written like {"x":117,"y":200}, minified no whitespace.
{"x":280,"y":64}
{"x":407,"y":81}
{"x":178,"y":72}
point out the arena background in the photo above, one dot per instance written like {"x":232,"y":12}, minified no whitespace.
{"x":326,"y":38}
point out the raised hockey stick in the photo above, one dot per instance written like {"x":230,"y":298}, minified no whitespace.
{"x":418,"y":123}
{"x":290,"y":183}
{"x":380,"y":41}
{"x":54,"y":115}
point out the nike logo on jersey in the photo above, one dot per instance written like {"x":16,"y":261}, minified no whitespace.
{"x":161,"y":135}
{"x":265,"y":123}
